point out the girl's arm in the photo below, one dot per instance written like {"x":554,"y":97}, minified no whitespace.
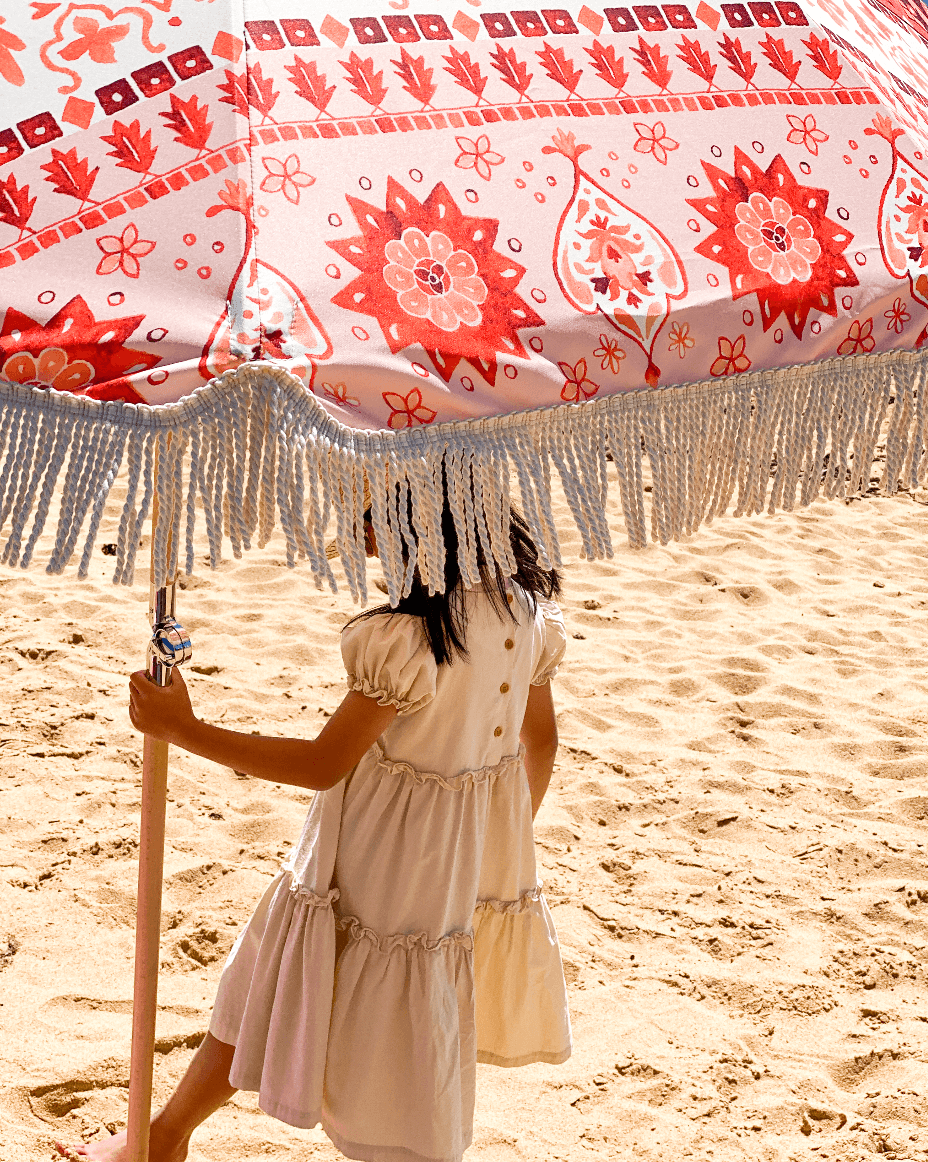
{"x":316,"y":764}
{"x":539,"y":736}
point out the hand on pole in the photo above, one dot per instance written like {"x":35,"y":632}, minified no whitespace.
{"x":162,"y":712}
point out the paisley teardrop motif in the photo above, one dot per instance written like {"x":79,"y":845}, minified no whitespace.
{"x":904,"y":219}
{"x":608,"y":259}
{"x":266,"y":316}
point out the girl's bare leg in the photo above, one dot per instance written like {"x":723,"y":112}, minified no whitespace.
{"x":201,"y":1091}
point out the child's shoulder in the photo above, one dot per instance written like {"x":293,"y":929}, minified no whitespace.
{"x":386,"y":655}
{"x":386,"y":632}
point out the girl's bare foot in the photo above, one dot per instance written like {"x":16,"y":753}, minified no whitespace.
{"x":201,"y":1091}
{"x":114,"y":1150}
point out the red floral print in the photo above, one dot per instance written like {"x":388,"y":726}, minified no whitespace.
{"x":731,"y":357}
{"x":803,"y":131}
{"x":577,"y":385}
{"x":50,"y":368}
{"x":123,"y":251}
{"x":609,"y":353}
{"x":9,"y":68}
{"x":95,"y":40}
{"x":897,"y":317}
{"x":778,"y":241}
{"x":266,"y":315}
{"x":904,"y":218}
{"x":235,"y":196}
{"x":610,"y":261}
{"x":285,"y":177}
{"x":73,"y":352}
{"x":615,"y":249}
{"x":680,"y":339}
{"x":407,"y":410}
{"x":654,"y":141}
{"x":433,"y":280}
{"x":430,"y":275}
{"x":916,"y":210}
{"x":773,"y":236}
{"x":339,"y":392}
{"x":859,"y":338}
{"x":477,"y":155}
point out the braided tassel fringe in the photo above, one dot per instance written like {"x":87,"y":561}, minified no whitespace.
{"x":254,"y":447}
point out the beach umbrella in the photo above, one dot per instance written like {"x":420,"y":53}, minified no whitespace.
{"x":256,"y":256}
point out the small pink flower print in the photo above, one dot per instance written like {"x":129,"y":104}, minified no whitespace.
{"x":609,"y":353}
{"x":285,"y":176}
{"x":897,"y":317}
{"x":654,"y":141}
{"x":680,"y":338}
{"x":731,"y":357}
{"x":576,"y":384}
{"x":123,"y":251}
{"x":339,"y":392}
{"x":477,"y":155}
{"x":803,"y":131}
{"x":406,"y":410}
{"x":859,"y":338}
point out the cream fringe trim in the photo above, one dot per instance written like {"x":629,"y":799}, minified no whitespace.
{"x":253,"y":446}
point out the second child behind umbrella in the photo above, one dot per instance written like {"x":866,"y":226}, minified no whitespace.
{"x":406,"y":937}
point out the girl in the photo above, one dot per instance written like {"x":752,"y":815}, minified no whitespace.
{"x":406,"y":937}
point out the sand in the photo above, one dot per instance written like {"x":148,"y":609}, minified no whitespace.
{"x":734,"y":845}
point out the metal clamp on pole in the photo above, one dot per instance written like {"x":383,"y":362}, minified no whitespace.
{"x":170,"y":643}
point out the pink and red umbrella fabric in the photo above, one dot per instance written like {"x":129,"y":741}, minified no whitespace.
{"x":414,"y":214}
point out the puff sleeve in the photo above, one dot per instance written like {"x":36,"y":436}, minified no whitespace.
{"x":387,"y":658}
{"x":554,"y":642}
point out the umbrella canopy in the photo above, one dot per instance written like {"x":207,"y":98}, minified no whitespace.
{"x":287,"y":246}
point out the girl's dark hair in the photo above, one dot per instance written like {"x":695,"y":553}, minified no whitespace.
{"x":443,"y":615}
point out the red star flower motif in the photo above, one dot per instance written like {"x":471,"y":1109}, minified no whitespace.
{"x":73,"y":352}
{"x":430,"y":275}
{"x":773,"y":236}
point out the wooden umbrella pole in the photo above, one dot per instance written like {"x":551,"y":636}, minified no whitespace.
{"x":168,"y":647}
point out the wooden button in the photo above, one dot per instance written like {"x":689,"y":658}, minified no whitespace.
{"x":509,"y":598}
{"x":509,"y":643}
{"x":504,"y":689}
{"x":498,"y":731}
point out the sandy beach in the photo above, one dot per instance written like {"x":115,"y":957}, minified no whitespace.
{"x":734,"y":846}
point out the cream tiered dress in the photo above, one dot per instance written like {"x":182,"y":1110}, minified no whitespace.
{"x":406,"y":937}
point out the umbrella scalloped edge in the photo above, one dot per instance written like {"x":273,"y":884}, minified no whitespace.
{"x":253,"y":446}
